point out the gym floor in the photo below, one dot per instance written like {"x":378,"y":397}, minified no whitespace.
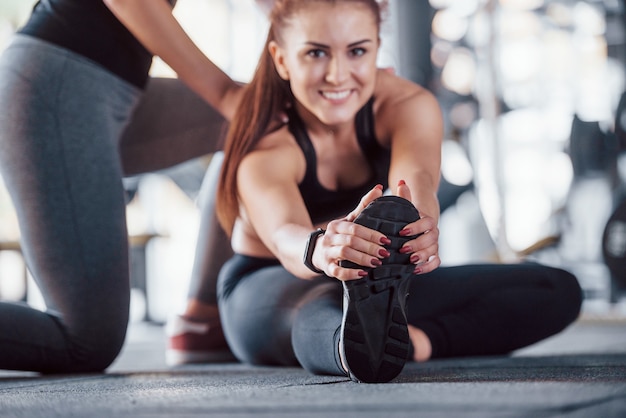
{"x":578,"y":373}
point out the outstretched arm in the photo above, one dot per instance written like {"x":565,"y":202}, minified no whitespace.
{"x":416,"y":133}
{"x":152,"y":23}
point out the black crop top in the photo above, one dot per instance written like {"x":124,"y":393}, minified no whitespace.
{"x":88,"y":28}
{"x":323,"y":204}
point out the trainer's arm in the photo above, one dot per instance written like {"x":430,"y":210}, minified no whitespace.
{"x":154,"y":25}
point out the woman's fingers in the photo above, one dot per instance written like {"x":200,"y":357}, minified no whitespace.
{"x":429,"y":265}
{"x":403,"y":190}
{"x":347,"y":241}
{"x":344,"y":274}
{"x":424,"y":224}
{"x":424,"y":249}
{"x":372,"y":195}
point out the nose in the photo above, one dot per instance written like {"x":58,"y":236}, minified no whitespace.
{"x":338,"y":70}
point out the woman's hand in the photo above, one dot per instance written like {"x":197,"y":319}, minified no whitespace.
{"x":424,"y":249}
{"x":346,"y":240}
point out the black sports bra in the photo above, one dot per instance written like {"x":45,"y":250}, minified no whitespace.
{"x":323,"y":204}
{"x":89,"y":28}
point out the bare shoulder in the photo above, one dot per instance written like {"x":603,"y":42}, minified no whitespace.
{"x":276,"y":155}
{"x":392,"y":88}
{"x":399,"y":100}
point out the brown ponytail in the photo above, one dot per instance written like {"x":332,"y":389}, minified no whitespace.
{"x":264,"y":98}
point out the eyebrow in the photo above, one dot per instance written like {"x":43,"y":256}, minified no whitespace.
{"x":353,"y":44}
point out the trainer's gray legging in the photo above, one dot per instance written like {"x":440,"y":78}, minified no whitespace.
{"x":63,"y":152}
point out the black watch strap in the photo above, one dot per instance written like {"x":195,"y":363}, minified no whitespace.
{"x":310,"y":246}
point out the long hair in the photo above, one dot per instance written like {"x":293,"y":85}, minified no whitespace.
{"x":264,"y":98}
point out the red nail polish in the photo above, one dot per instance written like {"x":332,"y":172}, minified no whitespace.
{"x":404,"y":232}
{"x":414,"y":258}
{"x":417,"y":270}
{"x":385,"y":241}
{"x":401,"y":183}
{"x":376,"y":262}
{"x":405,"y":250}
{"x":362,"y":273}
{"x":383,"y":253}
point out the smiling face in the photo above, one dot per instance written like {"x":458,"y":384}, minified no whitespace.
{"x":328,"y":53}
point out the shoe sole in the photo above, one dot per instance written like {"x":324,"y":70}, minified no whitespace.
{"x":374,"y":333}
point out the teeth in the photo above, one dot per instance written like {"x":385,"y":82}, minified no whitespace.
{"x":336,"y":95}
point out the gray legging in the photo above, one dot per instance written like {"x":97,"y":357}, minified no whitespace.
{"x":271,"y":317}
{"x":64,"y":148}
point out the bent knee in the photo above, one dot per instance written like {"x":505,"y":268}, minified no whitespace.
{"x":264,"y":353}
{"x":92,"y":351}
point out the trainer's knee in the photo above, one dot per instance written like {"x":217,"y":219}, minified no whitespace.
{"x":93,"y":348}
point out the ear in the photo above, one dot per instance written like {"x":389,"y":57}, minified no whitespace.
{"x":278,"y":56}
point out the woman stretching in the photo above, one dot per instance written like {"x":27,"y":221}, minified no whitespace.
{"x":323,"y":262}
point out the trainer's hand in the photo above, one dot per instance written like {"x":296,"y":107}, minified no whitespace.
{"x":424,"y":249}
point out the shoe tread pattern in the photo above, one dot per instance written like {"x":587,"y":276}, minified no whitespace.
{"x":375,"y":340}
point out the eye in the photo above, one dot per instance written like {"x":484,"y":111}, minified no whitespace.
{"x":358,"y":51}
{"x":316,"y":53}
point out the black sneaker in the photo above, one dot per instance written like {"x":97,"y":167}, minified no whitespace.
{"x":374,"y":336}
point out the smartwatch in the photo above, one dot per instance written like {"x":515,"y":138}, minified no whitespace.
{"x":310,"y":246}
